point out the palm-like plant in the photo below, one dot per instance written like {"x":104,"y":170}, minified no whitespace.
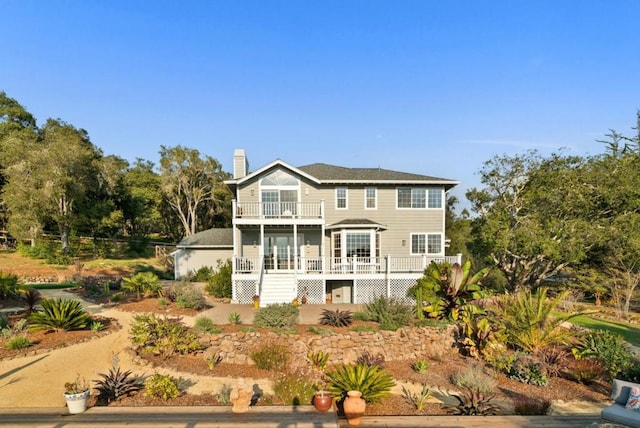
{"x":530,"y":320}
{"x":372,"y":381}
{"x":59,"y":315}
{"x":117,"y":383}
{"x":142,"y":282}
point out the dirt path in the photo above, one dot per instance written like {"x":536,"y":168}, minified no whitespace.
{"x":37,"y":381}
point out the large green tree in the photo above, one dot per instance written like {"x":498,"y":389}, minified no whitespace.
{"x":16,"y":124}
{"x":192,"y":186}
{"x":523,"y":225}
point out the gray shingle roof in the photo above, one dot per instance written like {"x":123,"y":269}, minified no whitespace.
{"x":209,"y":238}
{"x":332,"y":173}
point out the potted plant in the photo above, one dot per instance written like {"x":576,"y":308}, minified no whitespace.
{"x":256,"y":301}
{"x":76,"y":394}
{"x":322,"y":400}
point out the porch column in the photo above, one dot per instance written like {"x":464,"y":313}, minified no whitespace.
{"x":261,"y":243}
{"x":295,"y":247}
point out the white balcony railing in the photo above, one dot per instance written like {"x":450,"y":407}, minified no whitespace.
{"x":277,"y":210}
{"x":340,"y":265}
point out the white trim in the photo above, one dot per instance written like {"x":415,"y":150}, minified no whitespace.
{"x":267,"y":167}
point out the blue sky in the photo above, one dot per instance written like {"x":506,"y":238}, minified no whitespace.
{"x":429,"y":87}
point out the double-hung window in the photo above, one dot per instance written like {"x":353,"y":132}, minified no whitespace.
{"x":341,"y":198}
{"x":370,"y":198}
{"x":419,"y":197}
{"x":426,"y":243}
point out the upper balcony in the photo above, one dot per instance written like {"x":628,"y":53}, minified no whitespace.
{"x":278,"y":212}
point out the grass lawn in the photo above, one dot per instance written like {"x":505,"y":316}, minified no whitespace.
{"x":630,"y":332}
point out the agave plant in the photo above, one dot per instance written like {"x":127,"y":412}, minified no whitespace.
{"x":117,"y":383}
{"x":372,"y":381}
{"x":336,"y":318}
{"x":31,"y":297}
{"x":59,"y":315}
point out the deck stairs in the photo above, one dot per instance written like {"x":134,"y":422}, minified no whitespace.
{"x":277,"y":288}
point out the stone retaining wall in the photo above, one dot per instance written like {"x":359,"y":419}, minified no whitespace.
{"x":407,"y":343}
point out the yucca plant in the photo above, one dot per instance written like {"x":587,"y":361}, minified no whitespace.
{"x":336,"y":318}
{"x":117,"y":383}
{"x":59,"y":315}
{"x":473,"y":402}
{"x":372,"y":381}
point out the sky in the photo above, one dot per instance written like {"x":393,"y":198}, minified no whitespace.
{"x":427,"y":87}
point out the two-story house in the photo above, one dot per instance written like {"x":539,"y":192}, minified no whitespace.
{"x":332,"y":234}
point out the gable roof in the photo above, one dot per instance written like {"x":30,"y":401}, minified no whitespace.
{"x":214,"y":238}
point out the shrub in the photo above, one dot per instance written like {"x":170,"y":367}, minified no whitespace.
{"x":606,"y":348}
{"x":447,"y":290}
{"x":526,"y":370}
{"x":202,"y":275}
{"x":143,"y":282}
{"x":295,"y":388}
{"x":586,"y":371}
{"x":336,"y":318}
{"x":185,"y":295}
{"x":527,"y":406}
{"x":18,"y":342}
{"x":116,"y":383}
{"x":475,"y":397}
{"x":271,"y":355}
{"x":318,"y":359}
{"x":420,"y":366}
{"x":166,"y":336}
{"x":530,"y":320}
{"x":234,"y":318}
{"x":417,"y":400}
{"x":212,"y":360}
{"x":161,"y":386}
{"x":9,"y":285}
{"x":220,"y":282}
{"x":59,"y":315}
{"x":374,"y":382}
{"x":4,"y":321}
{"x":224,"y":396}
{"x":553,"y":359}
{"x":319,"y":330}
{"x":367,"y":358}
{"x":17,"y":329}
{"x":96,"y":326}
{"x":206,"y":325}
{"x":31,"y":297}
{"x":390,"y":313}
{"x":276,"y":315}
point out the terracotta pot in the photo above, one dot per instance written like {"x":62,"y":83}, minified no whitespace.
{"x":322,"y":401}
{"x":354,"y":407}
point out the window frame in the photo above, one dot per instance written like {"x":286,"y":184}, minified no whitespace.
{"x":374,"y":197}
{"x":346,"y":198}
{"x":426,"y":236}
{"x":426,"y":195}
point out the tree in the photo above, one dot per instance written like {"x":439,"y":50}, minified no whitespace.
{"x":525,"y":227}
{"x":190,"y":184}
{"x":141,"y":208}
{"x":16,"y":124}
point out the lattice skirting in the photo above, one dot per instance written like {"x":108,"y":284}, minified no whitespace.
{"x":244,"y":290}
{"x":314,"y":289}
{"x":368,"y":289}
{"x":398,"y":288}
